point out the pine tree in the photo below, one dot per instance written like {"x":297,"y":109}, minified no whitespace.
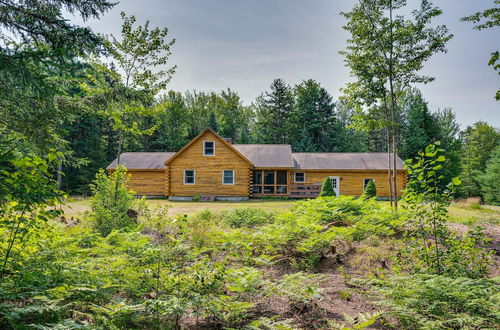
{"x":490,"y":180}
{"x":370,"y":190}
{"x":314,"y":121}
{"x":273,"y":112}
{"x":327,"y":188}
{"x":418,"y":128}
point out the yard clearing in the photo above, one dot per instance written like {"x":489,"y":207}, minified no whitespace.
{"x":463,"y":214}
{"x":78,"y":205}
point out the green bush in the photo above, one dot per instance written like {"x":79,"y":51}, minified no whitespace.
{"x":370,"y":190}
{"x":327,"y":188}
{"x":246,"y":217}
{"x":440,"y":302}
{"x":111,"y":201}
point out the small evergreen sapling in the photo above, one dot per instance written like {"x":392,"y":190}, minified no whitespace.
{"x":327,"y":188}
{"x":370,"y":190}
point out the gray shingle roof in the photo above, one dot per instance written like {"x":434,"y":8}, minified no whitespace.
{"x":343,"y":161}
{"x":272,"y":156}
{"x":143,"y":160}
{"x":267,"y":155}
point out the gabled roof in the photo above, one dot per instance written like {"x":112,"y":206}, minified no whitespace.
{"x":267,"y":155}
{"x":199,"y":136}
{"x":343,"y":161}
{"x":143,"y":160}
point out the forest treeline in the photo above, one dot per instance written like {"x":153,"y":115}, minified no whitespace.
{"x":304,"y":115}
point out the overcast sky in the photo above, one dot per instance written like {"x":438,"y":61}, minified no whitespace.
{"x":244,"y":45}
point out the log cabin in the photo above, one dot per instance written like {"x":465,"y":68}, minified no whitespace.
{"x":213,"y":167}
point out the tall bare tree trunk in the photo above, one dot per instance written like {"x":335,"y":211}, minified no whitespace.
{"x":389,"y":163}
{"x":59,"y":175}
{"x":393,"y":111}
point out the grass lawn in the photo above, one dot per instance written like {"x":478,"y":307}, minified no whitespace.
{"x":79,"y":204}
{"x":458,"y":213}
{"x":474,"y":214}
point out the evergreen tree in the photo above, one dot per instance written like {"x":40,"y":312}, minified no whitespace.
{"x":39,"y":51}
{"x":327,"y":188}
{"x":448,"y":134}
{"x":273,"y":112}
{"x":370,"y":190}
{"x":490,"y":179}
{"x":418,"y":127}
{"x":479,"y":141}
{"x":314,"y":122}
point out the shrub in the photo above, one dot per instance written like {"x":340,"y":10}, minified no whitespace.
{"x":196,"y":198}
{"x":370,"y":190}
{"x":327,"y":188}
{"x":246,"y":217}
{"x":431,"y":247}
{"x":111,"y":201}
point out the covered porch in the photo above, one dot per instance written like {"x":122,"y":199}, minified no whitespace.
{"x":280,"y":183}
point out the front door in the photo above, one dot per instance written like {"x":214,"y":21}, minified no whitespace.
{"x":336,"y":184}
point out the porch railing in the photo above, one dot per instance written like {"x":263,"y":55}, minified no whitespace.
{"x":305,"y":191}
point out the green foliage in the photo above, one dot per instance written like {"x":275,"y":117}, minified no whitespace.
{"x":327,"y":188}
{"x":431,"y":247}
{"x":139,"y":51}
{"x":246,"y":217}
{"x":360,"y":321}
{"x":111,"y":201}
{"x":370,"y":190}
{"x":314,"y":125}
{"x":275,"y":109}
{"x":28,"y":200}
{"x":40,"y":51}
{"x":440,"y":302}
{"x":479,"y":143}
{"x":487,"y":19}
{"x":269,"y":323}
{"x":490,"y":180}
{"x":298,"y":287}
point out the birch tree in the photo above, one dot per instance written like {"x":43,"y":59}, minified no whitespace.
{"x":385,"y":52}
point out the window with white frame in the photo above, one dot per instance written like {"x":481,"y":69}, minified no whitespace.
{"x":300,"y":177}
{"x":228,"y":177}
{"x":208,"y":148}
{"x":189,"y":176}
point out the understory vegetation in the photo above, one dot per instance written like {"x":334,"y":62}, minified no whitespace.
{"x":331,"y":262}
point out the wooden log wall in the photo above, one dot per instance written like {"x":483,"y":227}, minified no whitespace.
{"x":209,"y":170}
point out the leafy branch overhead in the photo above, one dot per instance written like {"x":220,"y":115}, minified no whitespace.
{"x":487,"y":19}
{"x":140,"y":51}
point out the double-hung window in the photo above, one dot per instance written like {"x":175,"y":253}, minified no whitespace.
{"x":208,"y":148}
{"x":189,"y":177}
{"x":300,"y":177}
{"x":228,"y":177}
